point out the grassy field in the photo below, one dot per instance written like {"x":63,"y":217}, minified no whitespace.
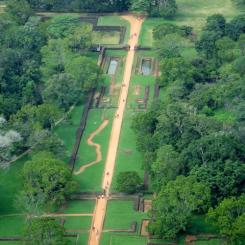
{"x":10,"y":185}
{"x":90,"y":179}
{"x":78,"y":223}
{"x":78,"y":207}
{"x":123,"y":211}
{"x":190,"y":12}
{"x":12,"y":225}
{"x":122,"y":239}
{"x":115,"y":21}
{"x":106,"y":38}
{"x":128,"y":158}
{"x":119,"y":216}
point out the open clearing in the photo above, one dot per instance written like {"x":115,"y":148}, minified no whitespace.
{"x":191,"y":13}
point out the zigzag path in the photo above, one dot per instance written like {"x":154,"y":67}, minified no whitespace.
{"x":97,"y":148}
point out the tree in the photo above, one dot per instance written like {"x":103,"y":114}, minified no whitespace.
{"x":236,"y":27}
{"x":239,"y":65}
{"x":227,"y":50}
{"x":129,"y":182}
{"x":85,"y":71}
{"x":163,"y":8}
{"x":140,"y":6}
{"x":47,"y":141}
{"x":31,"y":119}
{"x":62,"y":90}
{"x":49,"y":177}
{"x":173,"y":69}
{"x":224,"y":180}
{"x":165,"y":29}
{"x":63,"y":25}
{"x":19,"y":10}
{"x":206,"y":44}
{"x":208,"y":95}
{"x":45,"y":231}
{"x":229,"y":216}
{"x":169,"y":46}
{"x":168,"y":166}
{"x":174,"y":205}
{"x":216,"y":23}
{"x":47,"y":115}
{"x":8,"y":139}
{"x":81,"y":38}
{"x":239,"y":3}
{"x":55,"y":55}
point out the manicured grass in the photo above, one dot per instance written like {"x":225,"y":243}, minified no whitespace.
{"x":210,"y":242}
{"x":90,"y":179}
{"x":12,"y":225}
{"x":122,"y":239}
{"x":79,"y":207}
{"x":106,"y":38}
{"x":10,"y":185}
{"x":115,"y":21}
{"x":121,"y":214}
{"x":190,"y":12}
{"x":128,"y":158}
{"x":83,"y":238}
{"x":77,"y":223}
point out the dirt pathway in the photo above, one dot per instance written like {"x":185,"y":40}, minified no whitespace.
{"x":100,"y":208}
{"x":97,"y":148}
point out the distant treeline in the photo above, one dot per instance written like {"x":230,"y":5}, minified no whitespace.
{"x":81,"y":5}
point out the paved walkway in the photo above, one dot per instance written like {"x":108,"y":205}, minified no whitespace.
{"x":101,"y":203}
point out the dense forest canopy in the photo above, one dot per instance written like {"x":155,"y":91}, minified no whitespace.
{"x":195,"y":156}
{"x":165,"y":8}
{"x":41,"y":75}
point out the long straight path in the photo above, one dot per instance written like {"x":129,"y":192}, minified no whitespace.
{"x":101,"y":203}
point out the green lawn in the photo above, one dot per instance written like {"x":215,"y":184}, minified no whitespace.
{"x":121,"y":214}
{"x":128,"y":158}
{"x":122,"y":239}
{"x":106,"y":38}
{"x":78,"y":223}
{"x":78,"y":207}
{"x":190,"y":12}
{"x":12,"y":225}
{"x":115,"y":21}
{"x":90,"y":179}
{"x":10,"y":185}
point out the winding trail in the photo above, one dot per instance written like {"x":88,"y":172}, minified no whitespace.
{"x":101,"y":203}
{"x":97,"y":148}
